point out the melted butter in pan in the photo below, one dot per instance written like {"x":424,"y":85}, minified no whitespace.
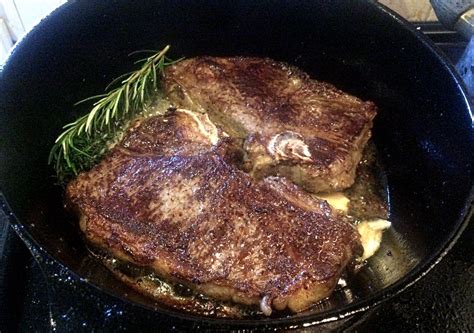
{"x":371,"y":235}
{"x":336,"y":200}
{"x":173,"y":296}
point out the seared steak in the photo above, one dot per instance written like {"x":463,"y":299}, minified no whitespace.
{"x":170,"y":197}
{"x":291,"y":125}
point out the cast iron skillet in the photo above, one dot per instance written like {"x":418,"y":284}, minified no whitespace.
{"x":423,"y":131}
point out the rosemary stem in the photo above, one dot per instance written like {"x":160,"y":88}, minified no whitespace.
{"x":84,"y":141}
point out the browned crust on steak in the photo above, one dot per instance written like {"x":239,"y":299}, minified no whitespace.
{"x":166,"y":198}
{"x":257,"y":99}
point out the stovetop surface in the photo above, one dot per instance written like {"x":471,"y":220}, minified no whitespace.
{"x":442,"y":301}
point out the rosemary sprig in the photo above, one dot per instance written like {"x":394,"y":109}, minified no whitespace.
{"x":84,"y":141}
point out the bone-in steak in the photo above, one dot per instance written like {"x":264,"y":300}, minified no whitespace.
{"x":291,"y":125}
{"x":170,"y":197}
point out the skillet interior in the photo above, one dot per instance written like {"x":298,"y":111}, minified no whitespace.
{"x":423,"y":131}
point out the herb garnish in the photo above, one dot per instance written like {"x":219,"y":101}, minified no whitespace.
{"x":84,"y":141}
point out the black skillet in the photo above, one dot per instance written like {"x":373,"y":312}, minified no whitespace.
{"x":423,"y":132}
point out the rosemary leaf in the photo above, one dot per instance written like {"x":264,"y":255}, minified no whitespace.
{"x":84,"y":142}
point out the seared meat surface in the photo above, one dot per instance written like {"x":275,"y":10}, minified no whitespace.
{"x":170,"y":197}
{"x":291,"y":125}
